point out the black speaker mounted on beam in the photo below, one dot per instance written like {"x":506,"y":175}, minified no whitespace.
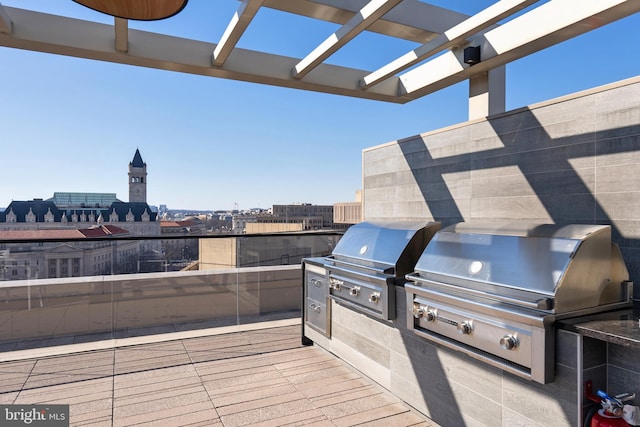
{"x":472,"y":55}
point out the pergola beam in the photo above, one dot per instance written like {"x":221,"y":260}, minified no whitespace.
{"x":454,"y":36}
{"x":237,"y":26}
{"x":547,"y":25}
{"x":121,"y":27}
{"x":374,"y":10}
{"x":6,"y":25}
{"x":61,"y":35}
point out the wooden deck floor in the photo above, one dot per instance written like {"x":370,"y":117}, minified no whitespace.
{"x":252,"y":378}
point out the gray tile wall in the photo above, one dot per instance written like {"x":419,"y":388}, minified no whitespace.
{"x":449,"y":387}
{"x":575,"y":160}
{"x":623,"y":370}
{"x":594,"y":369}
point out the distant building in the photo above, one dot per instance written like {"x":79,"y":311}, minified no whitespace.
{"x":192,"y":226}
{"x":80,"y":214}
{"x":137,"y":179}
{"x":348,"y":212}
{"x":67,"y":210}
{"x":239,"y":222}
{"x":299,"y":216}
{"x":315,"y":217}
{"x":44,"y":259}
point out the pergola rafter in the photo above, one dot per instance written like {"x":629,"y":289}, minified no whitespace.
{"x":240,"y":22}
{"x":373,"y":11}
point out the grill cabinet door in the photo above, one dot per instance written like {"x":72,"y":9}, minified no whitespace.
{"x":317,"y":308}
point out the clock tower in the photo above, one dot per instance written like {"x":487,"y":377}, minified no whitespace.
{"x":137,"y":179}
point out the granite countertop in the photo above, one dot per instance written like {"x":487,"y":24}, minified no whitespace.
{"x":620,"y":327}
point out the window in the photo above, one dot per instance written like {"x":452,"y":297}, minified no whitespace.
{"x":52,"y":268}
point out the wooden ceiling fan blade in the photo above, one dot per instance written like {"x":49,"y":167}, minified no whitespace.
{"x":140,"y":10}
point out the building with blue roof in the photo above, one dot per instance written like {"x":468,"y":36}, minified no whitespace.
{"x":74,"y":210}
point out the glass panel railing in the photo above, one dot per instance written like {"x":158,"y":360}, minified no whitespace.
{"x":72,"y":291}
{"x":270,"y":275}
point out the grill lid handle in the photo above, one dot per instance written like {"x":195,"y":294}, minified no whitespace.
{"x":541,"y":304}
{"x":342,"y":263}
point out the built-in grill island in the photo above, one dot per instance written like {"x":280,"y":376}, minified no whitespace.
{"x":362,"y":271}
{"x":495,"y":291}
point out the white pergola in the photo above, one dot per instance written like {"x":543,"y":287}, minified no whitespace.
{"x":505,"y":31}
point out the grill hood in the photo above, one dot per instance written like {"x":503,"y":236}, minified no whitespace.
{"x":547,"y":267}
{"x":392,"y":247}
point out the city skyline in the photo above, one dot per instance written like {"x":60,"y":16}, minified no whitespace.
{"x":72,"y":124}
{"x":105,"y":199}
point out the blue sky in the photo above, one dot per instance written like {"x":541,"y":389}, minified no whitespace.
{"x":73,"y":125}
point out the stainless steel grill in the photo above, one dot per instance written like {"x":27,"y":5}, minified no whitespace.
{"x":373,"y":257}
{"x":495,"y":291}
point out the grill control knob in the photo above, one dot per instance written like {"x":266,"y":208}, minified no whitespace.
{"x":509,"y":342}
{"x":315,"y":308}
{"x":465,"y":327}
{"x":418,"y":311}
{"x":354,"y":291}
{"x":374,"y":298}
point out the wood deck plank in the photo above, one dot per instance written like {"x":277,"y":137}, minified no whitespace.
{"x":254,"y":378}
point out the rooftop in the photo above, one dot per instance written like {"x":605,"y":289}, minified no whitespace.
{"x":256,"y":375}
